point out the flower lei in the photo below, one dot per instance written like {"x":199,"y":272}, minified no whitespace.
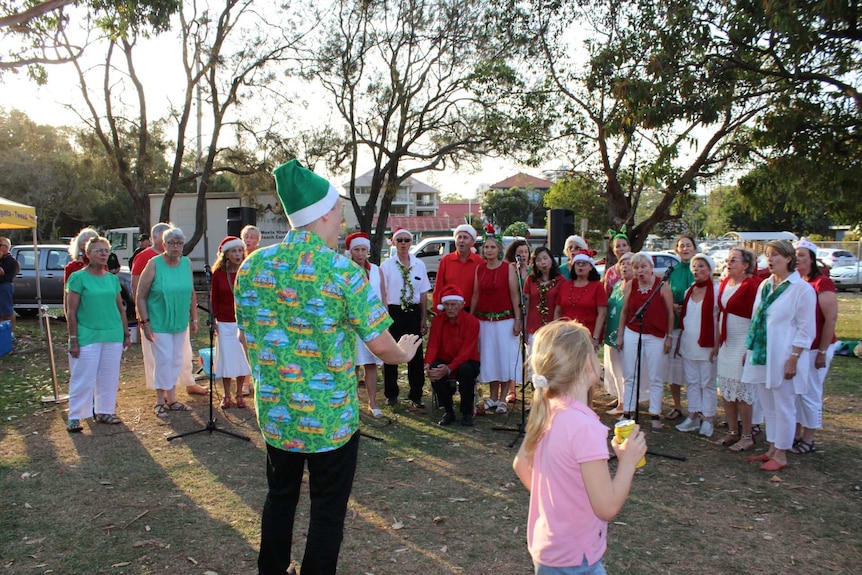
{"x":406,"y":287}
{"x":544,"y":288}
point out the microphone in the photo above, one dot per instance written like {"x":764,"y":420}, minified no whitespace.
{"x":667,"y":273}
{"x":518,"y":258}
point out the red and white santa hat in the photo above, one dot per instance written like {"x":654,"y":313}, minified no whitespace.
{"x":450,"y":293}
{"x":399,"y":231}
{"x":357,"y":239}
{"x":465,"y":228}
{"x":807,"y":244}
{"x":229,"y":243}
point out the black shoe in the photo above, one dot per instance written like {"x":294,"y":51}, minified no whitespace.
{"x":391,"y":401}
{"x":417,"y":404}
{"x":467,"y":420}
{"x":446,"y":419}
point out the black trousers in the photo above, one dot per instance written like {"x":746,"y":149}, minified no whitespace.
{"x":466,"y":376}
{"x":405,"y":322}
{"x":330,"y":480}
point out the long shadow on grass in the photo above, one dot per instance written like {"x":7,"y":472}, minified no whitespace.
{"x":113,"y":499}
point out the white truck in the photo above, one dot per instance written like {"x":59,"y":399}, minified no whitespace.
{"x":271,"y":221}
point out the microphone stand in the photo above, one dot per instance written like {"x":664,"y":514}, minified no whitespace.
{"x":520,"y":428}
{"x":640,"y":316}
{"x":211,"y":424}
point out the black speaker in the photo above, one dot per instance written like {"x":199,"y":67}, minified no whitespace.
{"x":561,"y":224}
{"x":240,"y":217}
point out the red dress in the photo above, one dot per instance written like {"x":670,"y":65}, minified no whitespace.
{"x":582,"y":303}
{"x":494,"y":302}
{"x":655,"y":319}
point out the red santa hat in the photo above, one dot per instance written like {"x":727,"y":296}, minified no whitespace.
{"x":399,"y":231}
{"x":465,"y":228}
{"x":357,"y":239}
{"x":450,"y":293}
{"x":229,"y":243}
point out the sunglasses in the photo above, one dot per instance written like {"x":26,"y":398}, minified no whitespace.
{"x":403,"y":240}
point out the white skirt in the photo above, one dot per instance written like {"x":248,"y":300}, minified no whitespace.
{"x":230,"y":359}
{"x":364,"y":355}
{"x":499,"y":352}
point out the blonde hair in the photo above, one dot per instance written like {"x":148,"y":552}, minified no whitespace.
{"x":563,"y":354}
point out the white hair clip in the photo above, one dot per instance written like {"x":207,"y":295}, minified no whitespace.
{"x":540,"y":381}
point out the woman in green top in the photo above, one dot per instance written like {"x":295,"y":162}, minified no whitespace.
{"x":681,"y":279}
{"x":98,"y":335}
{"x":167,"y":308}
{"x":615,"y":377}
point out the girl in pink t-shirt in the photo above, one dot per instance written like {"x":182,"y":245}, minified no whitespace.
{"x":563,"y":460}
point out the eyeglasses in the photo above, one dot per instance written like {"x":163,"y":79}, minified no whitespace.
{"x":403,"y":240}
{"x":100,"y":251}
{"x":175,"y":244}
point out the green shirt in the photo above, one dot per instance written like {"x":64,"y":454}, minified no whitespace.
{"x":615,"y":306}
{"x":98,"y":316}
{"x":680,"y":280}
{"x":169,"y":302}
{"x":301,"y":306}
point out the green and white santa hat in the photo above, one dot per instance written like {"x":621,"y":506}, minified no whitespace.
{"x":304,"y":195}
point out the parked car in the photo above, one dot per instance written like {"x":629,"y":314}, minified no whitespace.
{"x":847,"y":277}
{"x":834,"y":258}
{"x":52,"y":259}
{"x":720,"y":258}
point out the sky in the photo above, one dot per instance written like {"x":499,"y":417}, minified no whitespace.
{"x":50,"y":105}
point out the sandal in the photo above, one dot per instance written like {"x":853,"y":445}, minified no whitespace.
{"x":108,"y":418}
{"x":225,"y":402}
{"x":74,"y":426}
{"x":177,"y":406}
{"x":501,"y":407}
{"x":511,"y":397}
{"x":160,"y":410}
{"x":656,"y":425}
{"x":240,"y":402}
{"x":729,"y":439}
{"x":673,"y":414}
{"x":376,"y":413}
{"x":803,"y":447}
{"x":744,"y":437}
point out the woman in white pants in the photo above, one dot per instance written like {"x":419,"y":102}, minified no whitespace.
{"x":809,"y":405}
{"x":654,"y":327}
{"x":778,"y":343}
{"x":98,"y":334}
{"x":168,"y":310}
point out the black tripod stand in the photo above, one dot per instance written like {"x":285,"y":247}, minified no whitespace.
{"x":520,"y":428}
{"x":211,"y":424}
{"x":639,"y":315}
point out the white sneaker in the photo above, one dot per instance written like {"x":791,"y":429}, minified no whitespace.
{"x":706,"y":428}
{"x":688,"y":424}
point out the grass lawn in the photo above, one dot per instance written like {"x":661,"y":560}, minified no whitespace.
{"x":426,"y":500}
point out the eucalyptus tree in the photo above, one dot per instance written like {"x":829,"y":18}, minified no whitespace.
{"x":226,"y":52}
{"x":413,"y":83}
{"x":643,"y":100}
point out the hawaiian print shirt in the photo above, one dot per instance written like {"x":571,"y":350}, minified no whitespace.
{"x":301,"y":306}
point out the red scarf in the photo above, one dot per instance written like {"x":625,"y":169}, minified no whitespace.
{"x":741,"y":303}
{"x":707,"y":323}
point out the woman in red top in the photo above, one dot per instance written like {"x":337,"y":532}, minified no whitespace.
{"x":540,"y":290}
{"x":495,"y":303}
{"x":230,"y":359}
{"x":809,"y":405}
{"x":583,"y":299}
{"x":655,"y":327}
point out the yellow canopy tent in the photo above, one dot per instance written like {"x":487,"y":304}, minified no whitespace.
{"x":15,"y":216}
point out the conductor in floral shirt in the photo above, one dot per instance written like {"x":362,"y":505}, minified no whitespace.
{"x":453,"y":353}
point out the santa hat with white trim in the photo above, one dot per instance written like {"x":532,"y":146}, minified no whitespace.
{"x":450,"y":293}
{"x":357,"y":239}
{"x":229,"y":243}
{"x":465,"y":228}
{"x":304,"y":195}
{"x":399,"y":231}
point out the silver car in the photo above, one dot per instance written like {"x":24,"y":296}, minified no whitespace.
{"x":847,"y":277}
{"x":52,"y":260}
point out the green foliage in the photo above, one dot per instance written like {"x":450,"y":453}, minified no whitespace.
{"x":502,"y":208}
{"x":584,"y":196}
{"x":519,"y":229}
